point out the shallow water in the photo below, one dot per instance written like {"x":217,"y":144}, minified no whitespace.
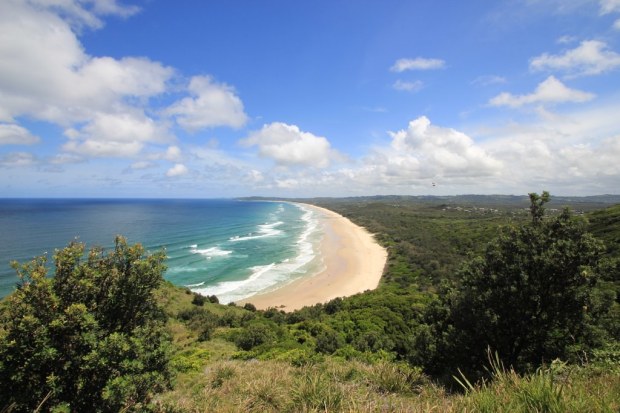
{"x":232,"y":249}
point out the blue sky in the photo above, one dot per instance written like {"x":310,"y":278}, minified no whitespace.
{"x":110,"y":98}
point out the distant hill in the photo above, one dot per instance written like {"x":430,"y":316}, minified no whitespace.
{"x":506,"y":201}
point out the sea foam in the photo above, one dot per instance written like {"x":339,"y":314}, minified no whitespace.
{"x":264,"y":230}
{"x":210,"y":252}
{"x":264,"y":278}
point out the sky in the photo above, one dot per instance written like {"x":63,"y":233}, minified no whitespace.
{"x":212,"y":99}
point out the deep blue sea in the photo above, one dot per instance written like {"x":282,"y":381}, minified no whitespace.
{"x":228,"y":248}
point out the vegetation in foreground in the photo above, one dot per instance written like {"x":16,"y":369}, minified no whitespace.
{"x":540,"y":293}
{"x":91,"y":338}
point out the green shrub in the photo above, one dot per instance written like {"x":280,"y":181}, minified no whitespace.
{"x":254,"y":335}
{"x":199,"y":299}
{"x":91,"y":338}
{"x":192,"y":359}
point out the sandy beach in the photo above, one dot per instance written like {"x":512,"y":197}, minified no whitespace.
{"x":353,"y":260}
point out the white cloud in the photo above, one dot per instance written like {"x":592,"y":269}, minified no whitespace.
{"x":65,"y":158}
{"x":73,"y":85}
{"x":566,"y":39}
{"x":12,"y":134}
{"x":415,"y":158}
{"x":566,"y":154}
{"x":142,"y":165}
{"x":408,"y":86}
{"x":111,"y":7}
{"x":616,"y":25}
{"x":549,"y":91}
{"x":287,"y":183}
{"x":211,"y":105}
{"x":17,"y":159}
{"x":254,"y":176}
{"x":591,"y":57}
{"x":610,"y":6}
{"x":102,"y":148}
{"x":115,"y":135}
{"x":436,"y":151}
{"x":418,"y":63}
{"x":86,"y":13}
{"x":487,"y":80}
{"x":173,"y":154}
{"x":288,"y":145}
{"x":177,"y":170}
{"x":129,"y":76}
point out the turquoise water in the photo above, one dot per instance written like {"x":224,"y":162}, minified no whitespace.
{"x":232,"y":249}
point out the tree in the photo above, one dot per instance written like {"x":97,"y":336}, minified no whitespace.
{"x":530,"y":296}
{"x":90,"y":338}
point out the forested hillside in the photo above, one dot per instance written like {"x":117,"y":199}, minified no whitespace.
{"x":521,"y":296}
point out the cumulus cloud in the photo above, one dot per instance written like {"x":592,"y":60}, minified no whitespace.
{"x":408,"y":86}
{"x":177,"y":170}
{"x":212,"y":104}
{"x":437,"y":151}
{"x":73,"y":85}
{"x":11,"y":134}
{"x":591,"y":57}
{"x":288,"y":145}
{"x":415,"y":157}
{"x":572,"y":153}
{"x":173,"y":153}
{"x":549,"y":91}
{"x":115,"y":135}
{"x":100,"y":101}
{"x":419,"y":63}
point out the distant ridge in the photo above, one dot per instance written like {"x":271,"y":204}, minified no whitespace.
{"x":593,"y":201}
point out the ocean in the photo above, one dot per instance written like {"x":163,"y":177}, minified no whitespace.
{"x":228,"y":248}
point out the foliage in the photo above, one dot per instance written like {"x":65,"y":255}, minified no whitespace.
{"x":91,"y":338}
{"x":201,"y":320}
{"x":530,"y":297}
{"x":254,"y":335}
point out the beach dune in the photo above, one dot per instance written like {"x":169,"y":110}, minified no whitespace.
{"x":354,"y":263}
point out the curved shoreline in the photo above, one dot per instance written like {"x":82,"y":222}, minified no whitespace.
{"x":354,"y":263}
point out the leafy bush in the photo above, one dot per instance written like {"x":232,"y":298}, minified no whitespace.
{"x":190,"y":360}
{"x":529,"y":297}
{"x":199,"y":299}
{"x":201,"y":320}
{"x":254,"y":335}
{"x":250,"y":307}
{"x":91,"y":338}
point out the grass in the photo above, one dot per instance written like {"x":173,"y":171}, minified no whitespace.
{"x":337,"y":386}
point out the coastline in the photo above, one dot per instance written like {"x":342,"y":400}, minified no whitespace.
{"x":353,"y":262}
